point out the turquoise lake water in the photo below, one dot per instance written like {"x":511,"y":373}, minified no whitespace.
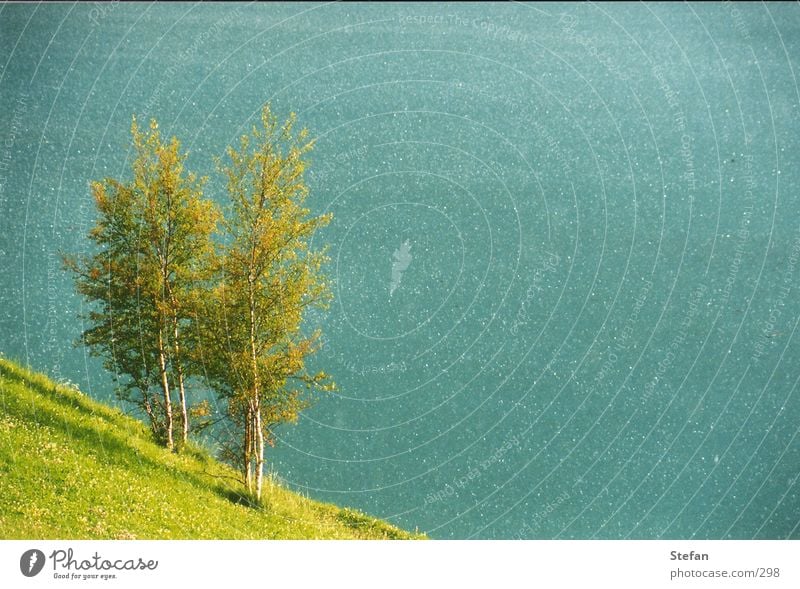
{"x":566,"y":243}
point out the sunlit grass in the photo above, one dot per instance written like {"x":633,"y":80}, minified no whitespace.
{"x":71,"y":467}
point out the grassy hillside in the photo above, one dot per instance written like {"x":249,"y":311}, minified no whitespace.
{"x":71,"y":467}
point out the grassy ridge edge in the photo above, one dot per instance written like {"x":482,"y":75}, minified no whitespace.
{"x":74,"y":468}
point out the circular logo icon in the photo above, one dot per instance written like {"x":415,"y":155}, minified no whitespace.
{"x":31,"y":562}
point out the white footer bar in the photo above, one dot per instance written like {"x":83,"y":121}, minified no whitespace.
{"x":377,"y":564}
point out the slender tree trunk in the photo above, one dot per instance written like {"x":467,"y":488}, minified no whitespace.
{"x":176,"y":348}
{"x":181,"y":389}
{"x":259,"y":452}
{"x":184,"y":410}
{"x":247,"y":448}
{"x":257,"y":435}
{"x":162,"y":361}
{"x":164,"y":256}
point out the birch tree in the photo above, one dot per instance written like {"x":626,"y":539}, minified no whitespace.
{"x":153,"y":238}
{"x":268,"y":275}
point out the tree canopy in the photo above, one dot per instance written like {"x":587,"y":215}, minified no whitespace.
{"x":267,"y":276}
{"x":153,"y":237}
{"x":182,"y":294}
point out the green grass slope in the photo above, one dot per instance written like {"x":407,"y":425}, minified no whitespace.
{"x":73,"y":468}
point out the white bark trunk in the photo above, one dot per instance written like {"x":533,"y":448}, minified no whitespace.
{"x":247,"y":451}
{"x":162,"y":361}
{"x":259,"y":455}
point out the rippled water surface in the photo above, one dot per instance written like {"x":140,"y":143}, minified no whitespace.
{"x":565,"y":247}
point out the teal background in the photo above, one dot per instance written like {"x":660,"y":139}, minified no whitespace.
{"x":595,"y":336}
